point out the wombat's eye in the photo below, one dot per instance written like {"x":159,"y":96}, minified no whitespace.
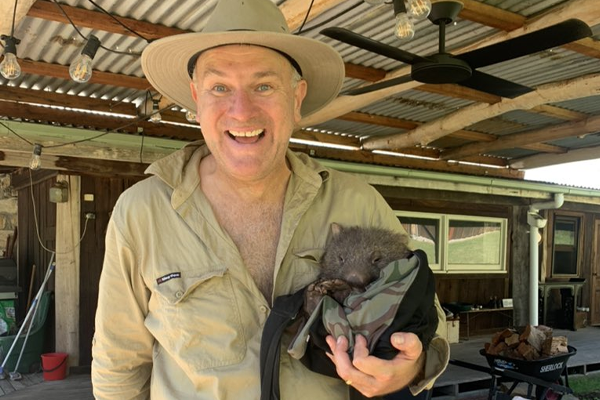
{"x":376,"y":260}
{"x":341,"y":259}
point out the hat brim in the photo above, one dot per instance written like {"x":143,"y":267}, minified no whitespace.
{"x":164,"y":63}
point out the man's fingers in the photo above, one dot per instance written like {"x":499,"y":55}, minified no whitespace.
{"x":408,"y":343}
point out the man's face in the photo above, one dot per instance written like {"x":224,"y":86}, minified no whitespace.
{"x":247,"y":105}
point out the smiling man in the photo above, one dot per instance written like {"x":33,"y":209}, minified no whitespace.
{"x":196,"y":254}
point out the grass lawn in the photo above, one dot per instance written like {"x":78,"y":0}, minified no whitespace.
{"x":586,"y":387}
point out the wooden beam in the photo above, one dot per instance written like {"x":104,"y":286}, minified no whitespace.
{"x":545,"y":148}
{"x":379,"y":120}
{"x":319,"y":137}
{"x":558,"y":112}
{"x":369,"y":74}
{"x":460,"y":92}
{"x":97,"y":20}
{"x":548,"y":134}
{"x":491,"y":16}
{"x":99,"y":77}
{"x":587,"y":46}
{"x":19,"y":95}
{"x":66,"y":281}
{"x":29,"y":112}
{"x":409,"y":162}
{"x":295,"y":11}
{"x":550,"y":93}
{"x":544,"y":160}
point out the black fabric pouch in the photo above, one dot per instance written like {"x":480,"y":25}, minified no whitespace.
{"x":416,"y":313}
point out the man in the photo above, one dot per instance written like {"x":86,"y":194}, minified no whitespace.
{"x":197,"y":253}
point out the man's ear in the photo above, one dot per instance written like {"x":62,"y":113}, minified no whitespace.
{"x":299,"y":95}
{"x":194,"y":90}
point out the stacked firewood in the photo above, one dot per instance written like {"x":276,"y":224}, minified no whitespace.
{"x":529,"y":343}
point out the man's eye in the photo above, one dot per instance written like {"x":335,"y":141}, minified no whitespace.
{"x":264,"y":87}
{"x":219,"y":88}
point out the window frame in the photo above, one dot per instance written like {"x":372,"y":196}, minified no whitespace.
{"x":578,"y":218}
{"x":443,"y":267}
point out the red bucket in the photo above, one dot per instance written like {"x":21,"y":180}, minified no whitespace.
{"x":54,"y":366}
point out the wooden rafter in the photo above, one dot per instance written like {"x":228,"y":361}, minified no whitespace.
{"x":548,"y":134}
{"x":549,"y":93}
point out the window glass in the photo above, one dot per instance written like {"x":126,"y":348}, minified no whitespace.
{"x":474,"y":242}
{"x":566,"y":238}
{"x":425,"y":235}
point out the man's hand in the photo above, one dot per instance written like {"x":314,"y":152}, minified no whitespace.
{"x":373,"y":376}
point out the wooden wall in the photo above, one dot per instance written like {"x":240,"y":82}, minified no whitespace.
{"x":30,"y":250}
{"x":105,"y":192}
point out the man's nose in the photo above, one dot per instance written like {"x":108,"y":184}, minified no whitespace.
{"x":242,"y":104}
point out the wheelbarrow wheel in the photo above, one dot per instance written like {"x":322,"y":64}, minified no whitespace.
{"x":549,"y":393}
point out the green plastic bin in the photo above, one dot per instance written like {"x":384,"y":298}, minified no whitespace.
{"x":31,"y":359}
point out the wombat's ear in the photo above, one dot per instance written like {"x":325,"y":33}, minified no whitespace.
{"x":335,"y":229}
{"x":376,"y":257}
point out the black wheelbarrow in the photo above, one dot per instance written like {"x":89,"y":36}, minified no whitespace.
{"x":548,"y":375}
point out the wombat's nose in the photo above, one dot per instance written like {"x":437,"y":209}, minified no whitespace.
{"x":358,"y":280}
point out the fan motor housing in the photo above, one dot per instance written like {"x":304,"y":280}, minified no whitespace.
{"x":442,"y":69}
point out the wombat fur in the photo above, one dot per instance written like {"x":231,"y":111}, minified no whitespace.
{"x":354,"y":257}
{"x":357,"y":255}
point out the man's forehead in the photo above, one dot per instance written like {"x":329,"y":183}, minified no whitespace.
{"x":237,"y":52}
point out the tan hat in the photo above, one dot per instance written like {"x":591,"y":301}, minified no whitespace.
{"x":256,"y":22}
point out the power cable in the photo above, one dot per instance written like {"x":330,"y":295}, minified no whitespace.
{"x":85,"y":37}
{"x":305,"y":17}
{"x":119,"y":22}
{"x":320,"y":24}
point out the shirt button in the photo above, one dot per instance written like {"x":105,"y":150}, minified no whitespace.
{"x":179,"y":294}
{"x":263,"y":309}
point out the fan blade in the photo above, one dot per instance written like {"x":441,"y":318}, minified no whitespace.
{"x":543,"y":39}
{"x":354,"y":39}
{"x":494,"y":85}
{"x":378,"y":86}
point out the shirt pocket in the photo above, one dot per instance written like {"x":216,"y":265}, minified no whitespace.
{"x":305,"y":267}
{"x":199,"y":320}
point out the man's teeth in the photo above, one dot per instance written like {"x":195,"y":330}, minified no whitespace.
{"x":255,"y":132}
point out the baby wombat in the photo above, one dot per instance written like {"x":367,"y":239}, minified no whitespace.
{"x":354,"y":257}
{"x":357,"y":255}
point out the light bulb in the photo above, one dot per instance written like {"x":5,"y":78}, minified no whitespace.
{"x":36,"y":158}
{"x":404,"y":28}
{"x":374,"y":2}
{"x":155,"y":116}
{"x":80,"y":69}
{"x":419,"y":9}
{"x":190,"y":116}
{"x":10,"y":68}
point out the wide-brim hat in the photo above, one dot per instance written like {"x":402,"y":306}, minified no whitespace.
{"x":254,"y":22}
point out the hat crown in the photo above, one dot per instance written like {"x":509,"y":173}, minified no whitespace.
{"x":250,"y":15}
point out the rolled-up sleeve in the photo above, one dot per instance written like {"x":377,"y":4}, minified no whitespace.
{"x":122,"y":346}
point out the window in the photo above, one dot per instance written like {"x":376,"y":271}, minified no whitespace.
{"x":458,"y":243}
{"x":566,"y":243}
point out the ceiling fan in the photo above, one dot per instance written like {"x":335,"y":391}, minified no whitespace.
{"x":461,"y":69}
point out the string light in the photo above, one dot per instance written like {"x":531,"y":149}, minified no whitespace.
{"x":81,"y":67}
{"x":155,"y":116}
{"x":404,"y":27}
{"x":419,"y":9}
{"x":190,"y":116}
{"x":10,"y":68}
{"x":36,"y":158}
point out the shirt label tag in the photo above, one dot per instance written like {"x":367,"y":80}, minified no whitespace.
{"x":168,"y":277}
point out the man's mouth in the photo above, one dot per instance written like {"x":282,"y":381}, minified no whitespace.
{"x":247,"y":137}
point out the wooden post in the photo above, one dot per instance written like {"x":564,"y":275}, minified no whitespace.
{"x":68,"y":216}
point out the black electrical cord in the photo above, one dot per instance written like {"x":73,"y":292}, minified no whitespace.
{"x":119,"y":22}
{"x":12,"y":29}
{"x":305,"y":17}
{"x":84,"y":37}
{"x":320,"y":24}
{"x":16,"y":134}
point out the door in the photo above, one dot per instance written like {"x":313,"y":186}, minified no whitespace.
{"x":595,"y":281}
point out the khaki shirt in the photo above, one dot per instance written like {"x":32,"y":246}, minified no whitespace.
{"x":179,"y":317}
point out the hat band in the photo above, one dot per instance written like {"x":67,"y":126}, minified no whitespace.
{"x":191,"y":66}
